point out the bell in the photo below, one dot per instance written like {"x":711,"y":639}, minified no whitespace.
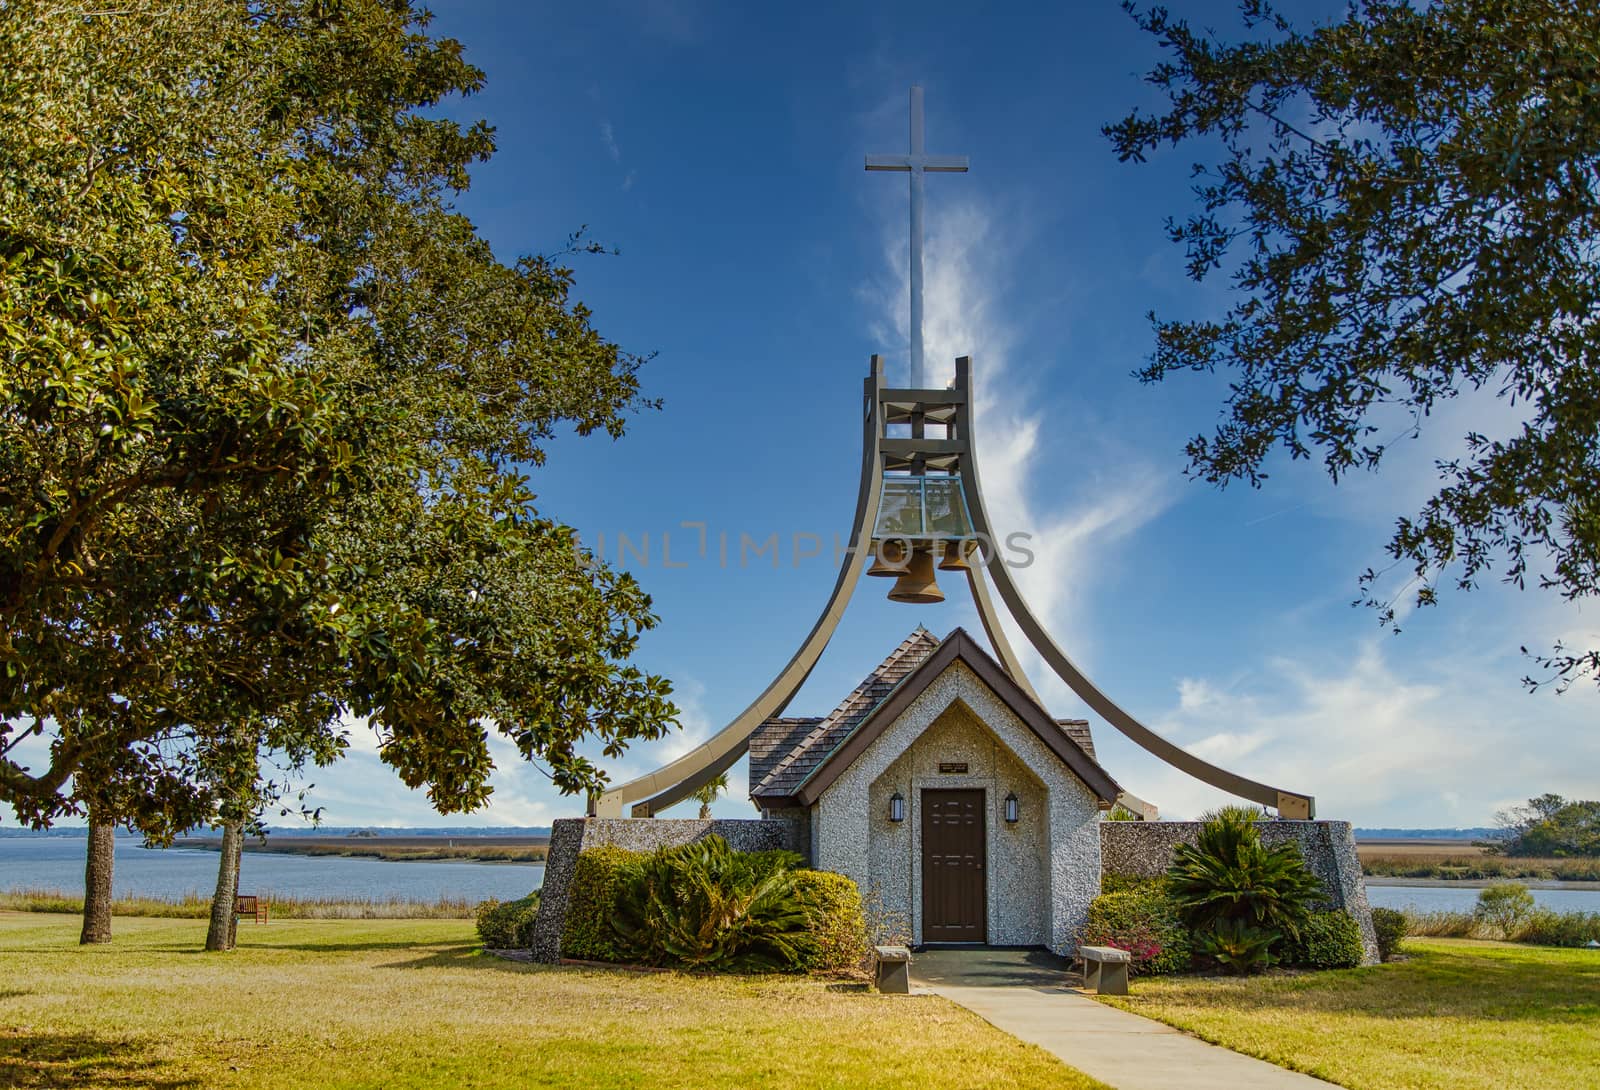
{"x":890,"y":558}
{"x":917,"y":584}
{"x":955,"y":557}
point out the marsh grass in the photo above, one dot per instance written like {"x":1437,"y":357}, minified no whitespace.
{"x":1454,"y":1015}
{"x":1458,"y":865}
{"x":193,"y":906}
{"x":407,"y":1004}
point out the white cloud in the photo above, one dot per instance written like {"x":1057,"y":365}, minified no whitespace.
{"x":608,"y":136}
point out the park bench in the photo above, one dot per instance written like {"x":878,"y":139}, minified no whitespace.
{"x":251,"y":907}
{"x":893,"y":969}
{"x":1105,"y":969}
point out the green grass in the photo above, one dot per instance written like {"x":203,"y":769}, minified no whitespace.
{"x":410,"y":1004}
{"x":195,"y":907}
{"x":1456,"y":1015}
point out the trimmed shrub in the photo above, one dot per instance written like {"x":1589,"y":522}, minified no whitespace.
{"x":1143,"y":921}
{"x":1503,"y":906}
{"x":1121,"y":883}
{"x":705,"y":906}
{"x":1391,"y":927}
{"x":1327,"y":940}
{"x":596,"y":879}
{"x":508,"y":925}
{"x":838,"y":923}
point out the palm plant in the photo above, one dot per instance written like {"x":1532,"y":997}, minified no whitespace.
{"x":1229,"y":877}
{"x":707,"y":794}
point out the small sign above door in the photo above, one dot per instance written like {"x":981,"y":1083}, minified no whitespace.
{"x":957,"y":767}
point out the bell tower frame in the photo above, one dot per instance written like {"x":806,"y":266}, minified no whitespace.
{"x":908,"y":463}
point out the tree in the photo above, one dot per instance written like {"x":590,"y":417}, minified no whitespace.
{"x":707,"y":794}
{"x":266,"y":405}
{"x":1550,"y":827}
{"x":1408,"y":204}
{"x":1503,"y":906}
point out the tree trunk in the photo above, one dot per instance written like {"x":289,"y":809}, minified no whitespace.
{"x":97,"y":877}
{"x":224,"y":924}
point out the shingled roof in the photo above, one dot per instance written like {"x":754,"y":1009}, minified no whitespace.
{"x":779,"y":775}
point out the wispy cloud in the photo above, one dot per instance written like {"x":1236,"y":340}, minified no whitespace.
{"x":608,"y":137}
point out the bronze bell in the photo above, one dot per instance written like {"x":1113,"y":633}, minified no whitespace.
{"x":918,"y":584}
{"x":890,"y":559}
{"x":955,"y":557}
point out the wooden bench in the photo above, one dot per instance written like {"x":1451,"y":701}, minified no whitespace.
{"x":251,"y":907}
{"x":1105,"y":969}
{"x":893,"y":969}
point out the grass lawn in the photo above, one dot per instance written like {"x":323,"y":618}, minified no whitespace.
{"x":410,"y":1003}
{"x":1458,"y":1015}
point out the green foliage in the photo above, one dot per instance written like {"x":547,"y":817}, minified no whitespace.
{"x":838,"y":923}
{"x":597,"y":879}
{"x":1403,"y":199}
{"x":1547,"y":927}
{"x":1237,"y":945}
{"x":1503,"y":906}
{"x":1390,"y":926}
{"x":1327,"y":940}
{"x":703,"y":905}
{"x":508,"y":925}
{"x":269,"y":402}
{"x":707,"y":794}
{"x":1228,"y":874}
{"x":1119,"y":883}
{"x":1552,"y":827}
{"x":1142,"y":919}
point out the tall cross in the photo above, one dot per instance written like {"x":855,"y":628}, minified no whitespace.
{"x":916,"y":164}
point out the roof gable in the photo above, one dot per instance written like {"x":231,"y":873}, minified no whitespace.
{"x":847,"y":745}
{"x":781,"y":773}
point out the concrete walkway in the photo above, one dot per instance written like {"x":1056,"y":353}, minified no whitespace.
{"x":1029,"y":994}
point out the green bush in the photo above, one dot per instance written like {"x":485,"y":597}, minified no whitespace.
{"x":838,"y":923}
{"x":1121,"y":883}
{"x":508,"y":925}
{"x":1238,"y":945}
{"x":705,"y":906}
{"x":1229,"y":874}
{"x":1390,"y":926}
{"x":592,"y":901}
{"x":1547,"y":927}
{"x":1327,"y":940}
{"x":1503,"y":906}
{"x":1143,"y":921}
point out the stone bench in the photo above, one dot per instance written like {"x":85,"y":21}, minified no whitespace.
{"x":893,"y":972}
{"x":1105,"y":969}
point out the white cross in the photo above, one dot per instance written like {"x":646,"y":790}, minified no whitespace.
{"x":916,"y":164}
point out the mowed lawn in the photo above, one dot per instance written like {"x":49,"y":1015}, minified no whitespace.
{"x":1456,"y":1015}
{"x":411,"y":1003}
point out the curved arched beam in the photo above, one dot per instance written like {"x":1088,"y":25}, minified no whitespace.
{"x":674,"y":782}
{"x":1289,"y":804}
{"x":991,"y":625}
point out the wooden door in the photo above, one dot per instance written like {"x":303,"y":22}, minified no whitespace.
{"x":954,"y":901}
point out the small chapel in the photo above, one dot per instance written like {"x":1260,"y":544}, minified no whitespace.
{"x":941,"y":784}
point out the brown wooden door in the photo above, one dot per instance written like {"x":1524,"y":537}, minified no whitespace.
{"x":954,"y":905}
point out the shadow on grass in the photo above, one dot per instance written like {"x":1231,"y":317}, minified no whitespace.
{"x":467,"y":956}
{"x":31,"y":1061}
{"x":1519,"y":985}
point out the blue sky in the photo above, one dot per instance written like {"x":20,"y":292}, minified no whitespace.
{"x":720,"y":147}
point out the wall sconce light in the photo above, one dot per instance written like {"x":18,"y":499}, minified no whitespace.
{"x":897,"y":807}
{"x":1011,"y":808}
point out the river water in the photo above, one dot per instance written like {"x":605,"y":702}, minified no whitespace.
{"x":57,"y":863}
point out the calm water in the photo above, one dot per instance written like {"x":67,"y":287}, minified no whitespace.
{"x":1454,"y":899}
{"x":57,"y":863}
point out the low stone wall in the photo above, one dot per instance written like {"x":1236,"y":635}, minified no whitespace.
{"x":1145,"y":848}
{"x":569,"y":836}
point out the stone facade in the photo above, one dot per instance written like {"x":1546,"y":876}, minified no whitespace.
{"x":1145,"y":848}
{"x":569,"y":836}
{"x":1042,"y":872}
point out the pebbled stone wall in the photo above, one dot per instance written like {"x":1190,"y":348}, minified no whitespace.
{"x":1145,"y":848}
{"x":569,"y":836}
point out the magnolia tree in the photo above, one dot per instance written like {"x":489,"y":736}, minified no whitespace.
{"x":267,"y":407}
